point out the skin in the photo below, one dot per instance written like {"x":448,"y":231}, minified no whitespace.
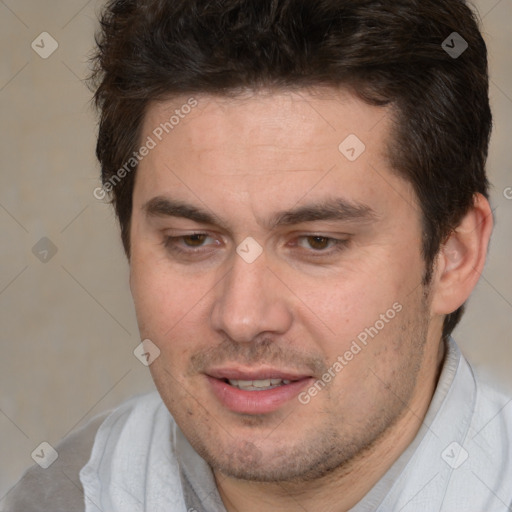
{"x":300,"y":304}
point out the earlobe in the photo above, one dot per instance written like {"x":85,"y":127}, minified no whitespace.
{"x":461,"y":259}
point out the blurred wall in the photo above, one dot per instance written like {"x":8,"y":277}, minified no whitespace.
{"x":67,"y":325}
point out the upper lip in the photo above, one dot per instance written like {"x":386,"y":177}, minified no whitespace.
{"x":262,"y":373}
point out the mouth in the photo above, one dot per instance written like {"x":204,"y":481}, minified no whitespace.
{"x":255,"y":391}
{"x":257,"y":385}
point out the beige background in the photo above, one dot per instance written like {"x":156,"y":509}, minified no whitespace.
{"x":67,"y":326}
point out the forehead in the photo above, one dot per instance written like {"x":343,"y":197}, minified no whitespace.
{"x":268,"y":148}
{"x":282,"y":125}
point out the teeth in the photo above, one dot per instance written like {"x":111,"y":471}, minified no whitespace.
{"x":258,"y":385}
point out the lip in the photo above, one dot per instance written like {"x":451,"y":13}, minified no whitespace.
{"x":255,"y":402}
{"x":255,"y":374}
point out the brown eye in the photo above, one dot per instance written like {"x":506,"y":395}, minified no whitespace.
{"x":195,"y":240}
{"x":321,"y":246}
{"x":191,"y":244}
{"x":318,"y":242}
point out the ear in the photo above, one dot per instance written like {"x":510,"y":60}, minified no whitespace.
{"x":461,"y":258}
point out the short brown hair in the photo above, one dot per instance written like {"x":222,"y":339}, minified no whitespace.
{"x":388,"y":52}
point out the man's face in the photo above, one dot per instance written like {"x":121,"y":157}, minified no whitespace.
{"x":334,"y":298}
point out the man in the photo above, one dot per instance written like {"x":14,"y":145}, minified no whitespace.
{"x":302,"y":197}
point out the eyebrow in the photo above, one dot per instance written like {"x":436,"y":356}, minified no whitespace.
{"x":334,"y":209}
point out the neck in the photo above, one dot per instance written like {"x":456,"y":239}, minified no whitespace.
{"x":343,"y":488}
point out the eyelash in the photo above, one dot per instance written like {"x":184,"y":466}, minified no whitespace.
{"x":170,"y":243}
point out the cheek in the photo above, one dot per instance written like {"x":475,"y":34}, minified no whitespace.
{"x":160,"y":299}
{"x":346,"y":304}
{"x":172,"y":311}
{"x":381,"y":354}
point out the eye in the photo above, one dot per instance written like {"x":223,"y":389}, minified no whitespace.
{"x":195,"y":240}
{"x":190,"y":243}
{"x":319,"y":243}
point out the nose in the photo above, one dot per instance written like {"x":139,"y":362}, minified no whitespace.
{"x":251,"y":300}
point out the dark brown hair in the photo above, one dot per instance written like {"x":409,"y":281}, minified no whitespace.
{"x":388,"y":52}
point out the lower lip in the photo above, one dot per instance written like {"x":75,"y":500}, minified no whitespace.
{"x":256,"y":402}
